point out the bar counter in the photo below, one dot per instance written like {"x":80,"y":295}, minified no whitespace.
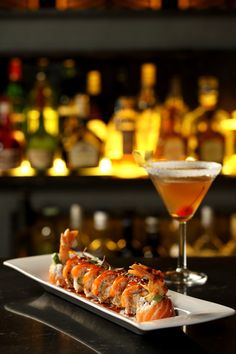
{"x":34,"y":321}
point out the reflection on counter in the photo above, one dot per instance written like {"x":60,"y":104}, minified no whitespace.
{"x":96,"y":335}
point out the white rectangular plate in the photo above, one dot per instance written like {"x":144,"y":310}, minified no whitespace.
{"x":190,"y":310}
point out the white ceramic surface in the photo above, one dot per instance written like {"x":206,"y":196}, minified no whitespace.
{"x":190,"y":310}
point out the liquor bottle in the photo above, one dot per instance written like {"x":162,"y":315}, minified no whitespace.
{"x":194,"y":121}
{"x":171,"y":143}
{"x":10,"y":148}
{"x":82,"y":148}
{"x":15,"y":93}
{"x":149,"y":117}
{"x":41,"y":146}
{"x":208,"y":244}
{"x":101,"y":244}
{"x":68,"y":90}
{"x":49,"y":95}
{"x":93,"y":89}
{"x":210,"y":142}
{"x":96,"y":119}
{"x":69,"y":82}
{"x":121,"y":131}
{"x":152,"y":237}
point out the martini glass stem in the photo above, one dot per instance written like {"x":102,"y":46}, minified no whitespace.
{"x":182,"y":258}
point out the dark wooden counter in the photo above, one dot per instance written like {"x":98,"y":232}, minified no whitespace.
{"x":33,"y":321}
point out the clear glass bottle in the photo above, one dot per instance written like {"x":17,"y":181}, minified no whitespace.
{"x":121,"y":136}
{"x":210,"y":142}
{"x":97,"y":116}
{"x":172,"y":145}
{"x":82,"y":148}
{"x":208,"y":243}
{"x":94,"y":90}
{"x":149,"y":116}
{"x":195,"y":121}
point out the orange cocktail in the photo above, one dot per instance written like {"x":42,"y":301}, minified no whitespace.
{"x":182,"y":185}
{"x":182,"y":196}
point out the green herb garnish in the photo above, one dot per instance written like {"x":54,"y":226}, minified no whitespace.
{"x":157,"y":298}
{"x":55,"y":258}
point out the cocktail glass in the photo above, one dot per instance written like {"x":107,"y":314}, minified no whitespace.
{"x":182,"y":185}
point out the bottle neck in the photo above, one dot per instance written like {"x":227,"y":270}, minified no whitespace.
{"x":41,"y":127}
{"x":147,"y":98}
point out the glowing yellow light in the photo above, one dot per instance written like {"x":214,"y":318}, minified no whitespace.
{"x":105,"y":166}
{"x":229,"y":124}
{"x":59,"y":168}
{"x":51,"y":120}
{"x":24,"y":169}
{"x":121,"y":243}
{"x":95,"y":244}
{"x":33,"y":120}
{"x":190,"y":158}
{"x":98,"y":127}
{"x":111,"y":245}
{"x":229,"y":166}
{"x":127,"y":169}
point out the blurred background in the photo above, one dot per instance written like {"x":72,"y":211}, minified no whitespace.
{"x":85,"y":82}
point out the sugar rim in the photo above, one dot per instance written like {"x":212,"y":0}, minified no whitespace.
{"x":183,"y":168}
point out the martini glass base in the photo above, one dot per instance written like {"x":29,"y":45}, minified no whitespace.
{"x":185,"y":277}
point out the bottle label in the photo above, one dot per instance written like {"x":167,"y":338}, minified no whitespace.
{"x":83,"y":154}
{"x":40,"y":159}
{"x":9,"y":158}
{"x":212,"y":150}
{"x":174,"y":148}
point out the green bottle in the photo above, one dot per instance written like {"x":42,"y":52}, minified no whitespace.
{"x":41,"y":146}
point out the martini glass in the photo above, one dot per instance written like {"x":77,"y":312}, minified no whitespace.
{"x":182,"y":185}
